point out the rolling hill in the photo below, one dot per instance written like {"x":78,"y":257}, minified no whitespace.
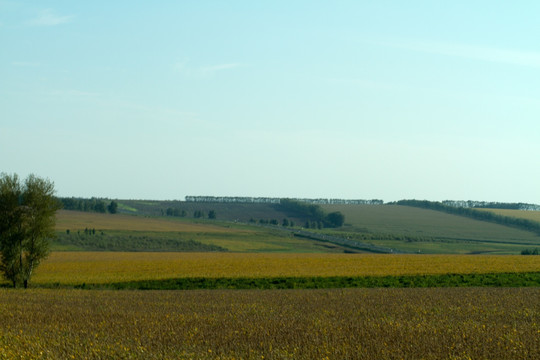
{"x":403,"y":228}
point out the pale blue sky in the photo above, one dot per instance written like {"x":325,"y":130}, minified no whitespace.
{"x":349,"y":99}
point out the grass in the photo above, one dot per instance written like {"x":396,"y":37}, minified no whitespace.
{"x":132,"y":241}
{"x":401,"y":281}
{"x":442,"y":323}
{"x":126,"y":208}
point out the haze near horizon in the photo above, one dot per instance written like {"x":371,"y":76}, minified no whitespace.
{"x":351,"y":99}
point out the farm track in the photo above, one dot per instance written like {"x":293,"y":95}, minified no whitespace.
{"x":346,"y":242}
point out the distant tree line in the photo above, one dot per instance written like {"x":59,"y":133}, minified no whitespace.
{"x":89,"y":205}
{"x":314,"y":213}
{"x":197,"y":214}
{"x":530,"y":252}
{"x":271,"y":200}
{"x":523,"y":224}
{"x":491,"y":205}
{"x":174,"y":212}
{"x":285,"y":222}
{"x":232,"y":199}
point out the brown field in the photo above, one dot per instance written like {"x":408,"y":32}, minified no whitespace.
{"x":75,"y":220}
{"x":105,"y":267}
{"x":453,"y":323}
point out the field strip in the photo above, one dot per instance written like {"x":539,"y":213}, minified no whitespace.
{"x":109,"y":267}
{"x":272,"y":283}
{"x":75,"y":220}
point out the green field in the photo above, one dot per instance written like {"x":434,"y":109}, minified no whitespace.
{"x":430,"y":231}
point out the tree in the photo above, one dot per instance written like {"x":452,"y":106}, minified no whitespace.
{"x":212,"y":214}
{"x":99,"y":206}
{"x":27,"y":219}
{"x":335,"y":219}
{"x":113,"y":207}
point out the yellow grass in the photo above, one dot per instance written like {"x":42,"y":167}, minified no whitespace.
{"x":75,"y":220}
{"x":105,"y":267}
{"x":520,"y":214}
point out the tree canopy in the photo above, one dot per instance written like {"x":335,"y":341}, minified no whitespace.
{"x":27,"y":220}
{"x":313,"y":213}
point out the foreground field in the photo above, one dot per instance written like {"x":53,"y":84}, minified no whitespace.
{"x":106,"y":267}
{"x":286,"y":324}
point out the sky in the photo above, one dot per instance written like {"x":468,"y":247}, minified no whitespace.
{"x":388,"y":100}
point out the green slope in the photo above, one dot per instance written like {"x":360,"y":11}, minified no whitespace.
{"x":430,"y":231}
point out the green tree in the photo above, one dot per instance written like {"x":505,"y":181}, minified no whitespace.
{"x":113,"y":207}
{"x":335,"y":219}
{"x":212,"y":214}
{"x":27,"y":219}
{"x":99,"y":206}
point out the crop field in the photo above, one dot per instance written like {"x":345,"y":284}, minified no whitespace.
{"x":398,"y":219}
{"x":431,"y":231}
{"x":454,"y":323}
{"x":340,"y":323}
{"x":104,"y":267}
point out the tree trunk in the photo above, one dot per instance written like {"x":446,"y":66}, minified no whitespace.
{"x":25,"y":283}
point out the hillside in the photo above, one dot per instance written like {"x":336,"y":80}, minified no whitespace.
{"x":120,"y":232}
{"x":236,"y":228}
{"x":407,"y":228}
{"x":243,"y":212}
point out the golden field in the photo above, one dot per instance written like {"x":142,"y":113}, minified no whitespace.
{"x":520,"y":214}
{"x":452,"y":323}
{"x":106,"y":267}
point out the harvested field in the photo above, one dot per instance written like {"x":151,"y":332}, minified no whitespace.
{"x":454,"y":323}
